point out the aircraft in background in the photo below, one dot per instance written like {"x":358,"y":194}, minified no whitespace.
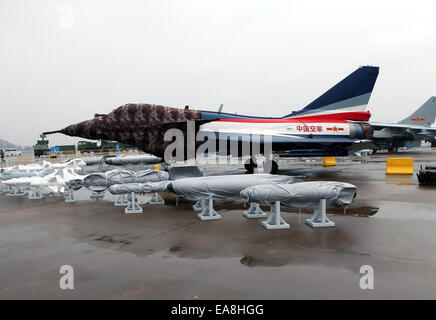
{"x":409,"y":132}
{"x":332,"y":125}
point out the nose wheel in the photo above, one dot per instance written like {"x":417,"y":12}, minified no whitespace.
{"x":249,"y":165}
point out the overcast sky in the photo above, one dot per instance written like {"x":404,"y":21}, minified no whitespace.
{"x":62,"y":61}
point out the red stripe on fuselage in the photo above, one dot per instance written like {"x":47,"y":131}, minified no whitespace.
{"x":336,"y":117}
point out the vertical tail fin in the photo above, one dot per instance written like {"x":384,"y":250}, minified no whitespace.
{"x":424,"y":115}
{"x":350,"y":95}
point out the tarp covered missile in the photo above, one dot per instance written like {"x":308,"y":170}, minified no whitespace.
{"x":74,"y":184}
{"x":134,"y":159}
{"x":92,"y":161}
{"x":302,"y":194}
{"x":26,"y":180}
{"x":19,"y":174}
{"x":57,"y":181}
{"x":27,"y":168}
{"x":149,"y":187}
{"x":140,"y":125}
{"x":48,"y":181}
{"x":101,"y":181}
{"x":226,"y":187}
{"x":76,"y":164}
{"x":96,"y":182}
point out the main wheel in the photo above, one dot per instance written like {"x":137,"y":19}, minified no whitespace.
{"x":249,"y":165}
{"x":270,"y":166}
{"x":164,"y":166}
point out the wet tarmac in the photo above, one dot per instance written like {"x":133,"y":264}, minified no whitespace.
{"x":168,"y":253}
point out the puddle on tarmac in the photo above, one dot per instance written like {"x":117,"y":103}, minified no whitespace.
{"x":401,"y":183}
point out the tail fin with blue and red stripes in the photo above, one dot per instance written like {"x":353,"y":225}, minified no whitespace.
{"x":348,"y":99}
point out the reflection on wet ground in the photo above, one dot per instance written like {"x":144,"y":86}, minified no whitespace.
{"x":401,"y":183}
{"x":166,"y":252}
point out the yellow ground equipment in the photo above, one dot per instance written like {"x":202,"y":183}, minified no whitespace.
{"x":399,"y":165}
{"x":329,"y":161}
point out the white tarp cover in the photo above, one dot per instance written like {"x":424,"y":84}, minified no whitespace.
{"x":149,"y":187}
{"x":224,"y":187}
{"x":25,"y":181}
{"x":76,"y":164}
{"x":33,"y":167}
{"x":102,"y":181}
{"x":50,"y":180}
{"x":303,"y":194}
{"x":56,"y":182}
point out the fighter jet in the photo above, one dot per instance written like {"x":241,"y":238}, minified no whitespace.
{"x":408,"y":132}
{"x":331,"y":125}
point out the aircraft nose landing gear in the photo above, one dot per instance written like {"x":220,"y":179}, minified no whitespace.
{"x":249,"y":165}
{"x":269,"y":166}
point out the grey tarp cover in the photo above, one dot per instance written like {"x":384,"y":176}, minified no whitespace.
{"x":303,"y":194}
{"x":102,"y":181}
{"x":74,"y":184}
{"x":224,"y":187}
{"x":180,"y":172}
{"x":149,"y":187}
{"x":91,"y":161}
{"x":134,"y":159}
{"x":95,"y":182}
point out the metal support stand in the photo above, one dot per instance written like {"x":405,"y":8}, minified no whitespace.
{"x":70,"y":198}
{"x":121,"y":201}
{"x":7,"y":188}
{"x":208,"y":212}
{"x":156,"y":199}
{"x":133,"y":206}
{"x":16,"y":192}
{"x":99,"y":167}
{"x":35,"y":194}
{"x":199,"y":205}
{"x":275,"y":220}
{"x":319,"y":218}
{"x":97,"y":195}
{"x":254,"y":212}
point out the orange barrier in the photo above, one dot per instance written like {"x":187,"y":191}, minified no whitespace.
{"x":399,"y":165}
{"x":329,"y":161}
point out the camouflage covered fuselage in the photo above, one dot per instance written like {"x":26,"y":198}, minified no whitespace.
{"x":140,"y":125}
